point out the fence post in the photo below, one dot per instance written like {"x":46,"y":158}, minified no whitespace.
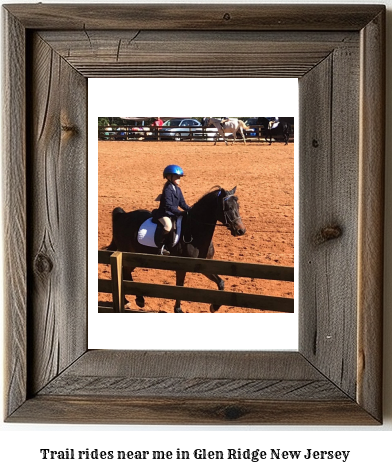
{"x":117,"y":282}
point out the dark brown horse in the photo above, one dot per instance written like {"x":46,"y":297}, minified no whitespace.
{"x":197,"y":230}
{"x":283,"y":129}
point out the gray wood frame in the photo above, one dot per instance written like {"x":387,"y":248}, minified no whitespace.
{"x":337,"y":52}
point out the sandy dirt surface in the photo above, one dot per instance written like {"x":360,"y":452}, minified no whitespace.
{"x":130,"y":176}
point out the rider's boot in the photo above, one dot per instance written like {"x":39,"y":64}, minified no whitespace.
{"x":161,"y":240}
{"x":163,"y":251}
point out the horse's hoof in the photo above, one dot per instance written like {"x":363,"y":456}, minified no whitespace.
{"x":178,"y":310}
{"x":214,"y":307}
{"x":140,"y":301}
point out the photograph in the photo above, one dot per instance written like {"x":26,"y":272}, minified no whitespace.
{"x":207,"y":188}
{"x":225,"y":163}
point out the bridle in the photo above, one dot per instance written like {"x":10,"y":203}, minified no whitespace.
{"x":229,"y":222}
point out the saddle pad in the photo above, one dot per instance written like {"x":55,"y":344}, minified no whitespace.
{"x":146,"y":232}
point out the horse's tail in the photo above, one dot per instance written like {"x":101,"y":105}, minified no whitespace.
{"x":113,"y":245}
{"x":117,"y":210}
{"x":243,"y":125}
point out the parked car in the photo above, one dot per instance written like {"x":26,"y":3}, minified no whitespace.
{"x":253,"y":122}
{"x":139,"y":132}
{"x":107,"y":133}
{"x":121,"y":133}
{"x":179,"y":128}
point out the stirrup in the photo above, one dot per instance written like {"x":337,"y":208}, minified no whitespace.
{"x":163,"y":251}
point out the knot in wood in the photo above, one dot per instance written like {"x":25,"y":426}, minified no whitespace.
{"x":227,"y":16}
{"x":69,"y":128}
{"x":43,"y":264}
{"x":328,"y":233}
{"x":232,"y":413}
{"x":315,"y":143}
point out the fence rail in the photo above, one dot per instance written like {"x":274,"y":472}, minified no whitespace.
{"x":119,"y":287}
{"x":156,"y":133}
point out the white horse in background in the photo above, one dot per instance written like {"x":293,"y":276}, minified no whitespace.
{"x":232,"y":125}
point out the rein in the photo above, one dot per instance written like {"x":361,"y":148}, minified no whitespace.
{"x":209,"y":223}
{"x":227,"y":222}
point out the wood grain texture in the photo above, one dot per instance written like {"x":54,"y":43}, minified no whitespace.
{"x":371,"y":217}
{"x":14,"y":213}
{"x":208,"y":364}
{"x":129,"y":53}
{"x":336,"y":376}
{"x":329,"y":215}
{"x":193,"y":387}
{"x":188,"y":387}
{"x":193,"y":17}
{"x":57,"y":215}
{"x":103,"y":409}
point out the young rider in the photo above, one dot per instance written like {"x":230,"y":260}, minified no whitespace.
{"x":171,"y":199}
{"x":223,"y":121}
{"x":273,"y":122}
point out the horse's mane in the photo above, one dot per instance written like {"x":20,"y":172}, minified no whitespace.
{"x":209,"y":197}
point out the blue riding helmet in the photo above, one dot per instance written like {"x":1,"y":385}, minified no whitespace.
{"x":173,"y":169}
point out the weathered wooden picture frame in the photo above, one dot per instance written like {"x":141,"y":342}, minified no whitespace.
{"x":337,"y":52}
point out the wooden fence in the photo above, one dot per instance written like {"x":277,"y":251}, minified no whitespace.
{"x":119,"y":287}
{"x":156,"y":133}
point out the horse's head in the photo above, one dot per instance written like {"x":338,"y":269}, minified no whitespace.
{"x":230,"y":212}
{"x":206,"y":121}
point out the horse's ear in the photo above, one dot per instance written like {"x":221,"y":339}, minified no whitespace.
{"x":230,"y":193}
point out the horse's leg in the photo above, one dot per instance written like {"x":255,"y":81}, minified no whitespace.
{"x":221,"y":286}
{"x":286,"y":134}
{"x":180,"y":278}
{"x":243,"y":136}
{"x":215,"y":278}
{"x":127,"y":275}
{"x":217,"y":136}
{"x":223,"y":135}
{"x":234,"y":137}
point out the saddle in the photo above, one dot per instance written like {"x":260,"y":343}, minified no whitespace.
{"x":150,"y":233}
{"x":272,"y":124}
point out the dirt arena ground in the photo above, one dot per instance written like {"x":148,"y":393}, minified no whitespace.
{"x":130,"y":176}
